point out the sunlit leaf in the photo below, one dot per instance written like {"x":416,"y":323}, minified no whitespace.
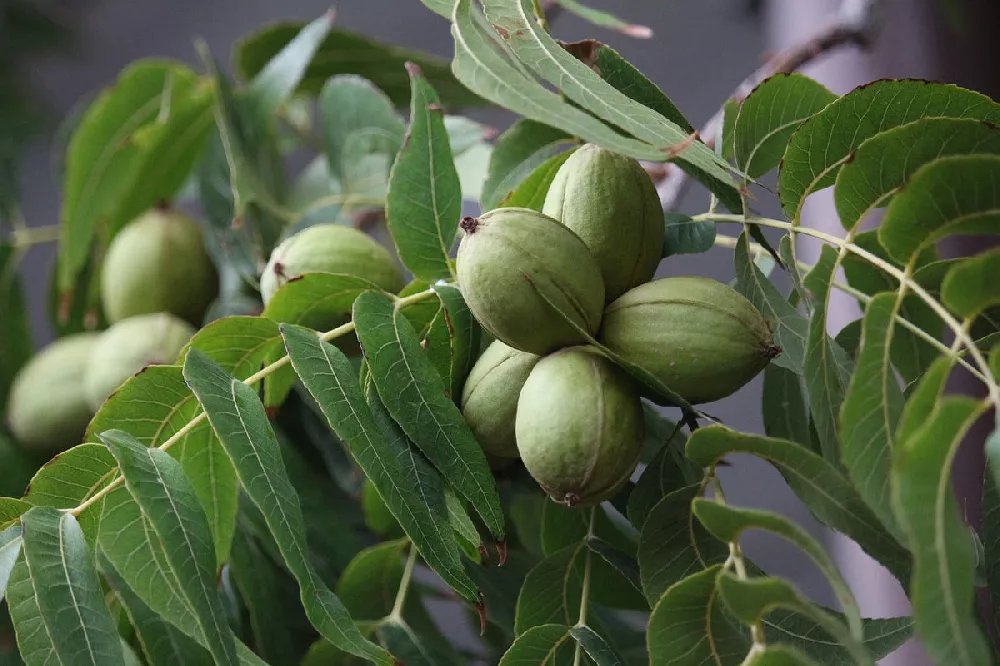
{"x":518,"y":153}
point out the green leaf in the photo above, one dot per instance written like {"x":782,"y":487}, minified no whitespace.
{"x":162,"y":644}
{"x":990,"y":529}
{"x":414,"y":395}
{"x":883,"y":163}
{"x":425,"y":197}
{"x":105,"y":151}
{"x":514,"y":20}
{"x":179,"y":531}
{"x":688,"y":626}
{"x":750,"y":600}
{"x":518,"y":153}
{"x":491,"y":74}
{"x":942,"y":589}
{"x":951,"y":195}
{"x":538,"y":645}
{"x":769,"y":116}
{"x":551,"y":590}
{"x":882,"y":636}
{"x":238,"y":418}
{"x":827,"y":140}
{"x":11,"y":510}
{"x":171,"y":147}
{"x":460,"y":521}
{"x":596,"y":647}
{"x":621,"y":74}
{"x":673,"y":545}
{"x":279,"y":78}
{"x":531,"y":192}
{"x":827,"y":366}
{"x":54,"y":596}
{"x":728,"y":523}
{"x":15,"y":336}
{"x":784,"y":406}
{"x":73,"y":477}
{"x":790,"y":328}
{"x":369,"y":584}
{"x":682,"y":235}
{"x":410,"y":488}
{"x":665,"y":473}
{"x":830,"y":496}
{"x":10,"y":548}
{"x":872,"y":407}
{"x":346,"y":52}
{"x":262,"y":588}
{"x":354,"y":110}
{"x":973,"y":284}
{"x":320,"y":301}
{"x":241,"y":346}
{"x":409,"y":647}
{"x":153,"y":406}
{"x":464,"y":333}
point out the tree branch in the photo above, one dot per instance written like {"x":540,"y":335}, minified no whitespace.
{"x":855,"y":25}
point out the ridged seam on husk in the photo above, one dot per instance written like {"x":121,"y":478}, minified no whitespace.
{"x":767,"y":339}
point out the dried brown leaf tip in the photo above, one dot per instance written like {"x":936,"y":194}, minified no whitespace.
{"x":502,"y":31}
{"x":413,"y":69}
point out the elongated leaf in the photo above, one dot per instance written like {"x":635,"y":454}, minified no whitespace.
{"x":279,"y":78}
{"x":727,"y":523}
{"x":518,"y":152}
{"x":596,"y":647}
{"x":973,"y":285}
{"x":884,"y":162}
{"x":551,"y":590}
{"x":10,"y":548}
{"x":54,"y":596}
{"x":827,"y":366}
{"x":465,"y":336}
{"x":162,"y":644}
{"x":410,"y":488}
{"x":408,"y":646}
{"x":153,"y":406}
{"x":15,"y":336}
{"x":990,"y":530}
{"x":238,"y":418}
{"x":72,"y":477}
{"x":347,"y":52}
{"x":769,"y":116}
{"x":488,"y":72}
{"x":531,"y":192}
{"x":821,"y":146}
{"x":683,"y":235}
{"x":668,"y":471}
{"x":790,"y":328}
{"x":171,"y":512}
{"x":872,"y":407}
{"x":943,"y":556}
{"x":515,"y":22}
{"x":673,"y":544}
{"x":414,"y":396}
{"x":882,"y":636}
{"x":621,"y":74}
{"x":830,"y":496}
{"x":784,"y":406}
{"x":752,"y":599}
{"x":171,"y":147}
{"x":104,"y":151}
{"x":425,"y":197}
{"x":320,"y":301}
{"x":538,"y":645}
{"x":688,"y":626}
{"x":241,"y":346}
{"x":11,"y":510}
{"x":951,"y":195}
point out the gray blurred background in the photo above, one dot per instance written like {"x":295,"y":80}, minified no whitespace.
{"x":700,"y":52}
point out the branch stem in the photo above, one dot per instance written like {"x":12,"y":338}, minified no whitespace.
{"x":25,"y":237}
{"x":396,"y":615}
{"x":585,"y":588}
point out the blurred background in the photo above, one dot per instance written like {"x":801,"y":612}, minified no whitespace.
{"x":54,"y":55}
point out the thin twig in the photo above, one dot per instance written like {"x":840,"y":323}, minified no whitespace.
{"x":854,"y":25}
